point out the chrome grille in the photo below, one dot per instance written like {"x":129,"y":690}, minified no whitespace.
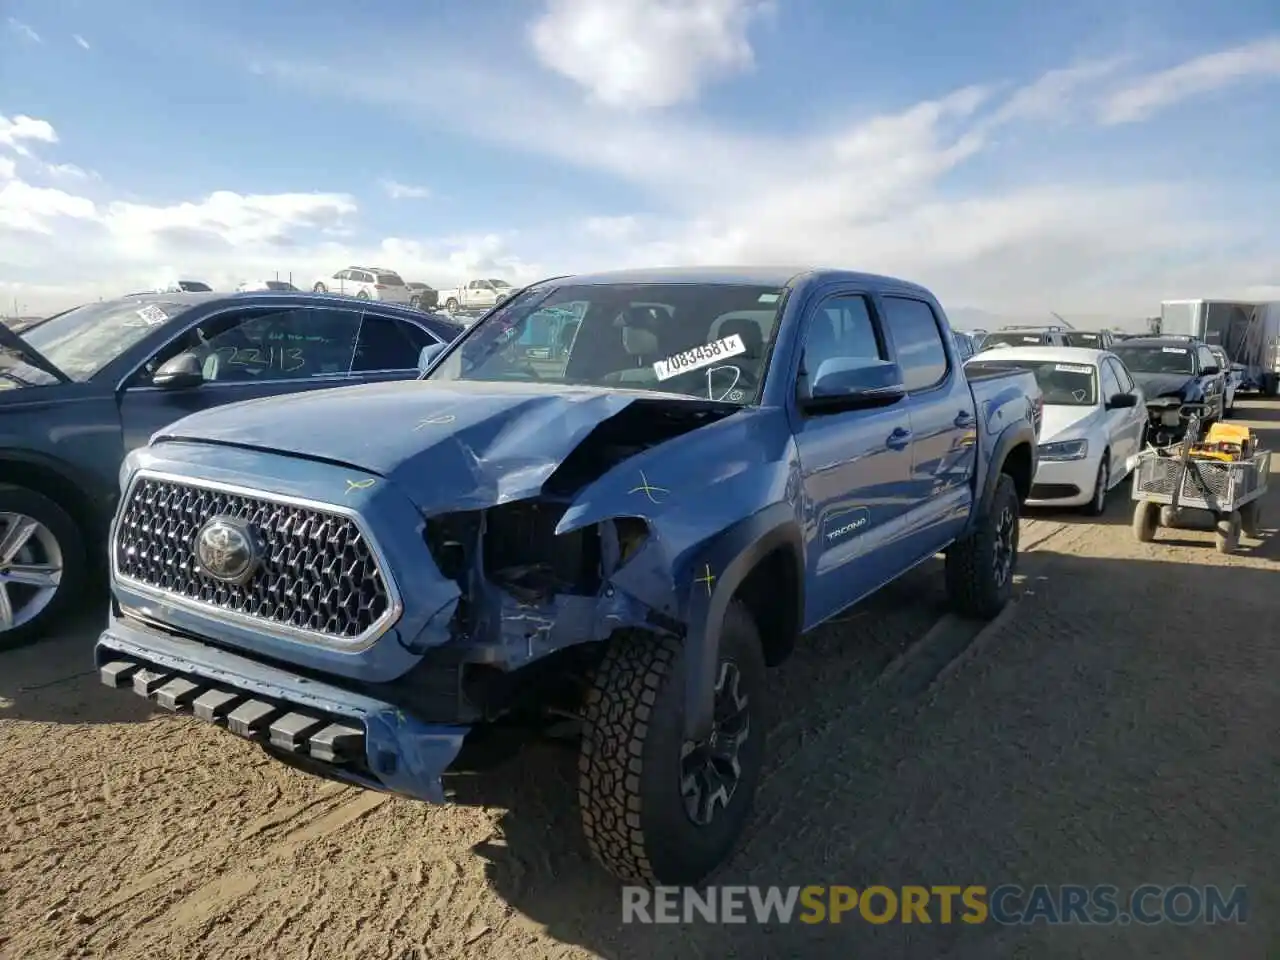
{"x":319,"y":573}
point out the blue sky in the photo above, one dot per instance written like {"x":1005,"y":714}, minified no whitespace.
{"x":1088,"y":157}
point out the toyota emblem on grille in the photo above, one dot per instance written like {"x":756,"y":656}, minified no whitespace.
{"x":227,"y":550}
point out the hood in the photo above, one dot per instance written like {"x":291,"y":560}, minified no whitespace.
{"x":29,"y":353}
{"x":1163,"y":384}
{"x":456,"y":445}
{"x":1065,"y":423}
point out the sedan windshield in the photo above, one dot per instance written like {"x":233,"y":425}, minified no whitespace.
{"x":1080,"y":338}
{"x":700,"y":339}
{"x":1155,"y":359}
{"x":1063,"y":384}
{"x":82,"y":341}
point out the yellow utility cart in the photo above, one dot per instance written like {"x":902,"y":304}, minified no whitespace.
{"x":1224,"y":474}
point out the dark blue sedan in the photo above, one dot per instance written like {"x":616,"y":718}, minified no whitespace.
{"x":80,"y":389}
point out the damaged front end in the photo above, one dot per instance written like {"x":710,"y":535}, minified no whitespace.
{"x":1168,"y":417}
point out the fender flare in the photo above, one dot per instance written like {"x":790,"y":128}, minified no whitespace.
{"x":97,"y":501}
{"x":1009,"y":438}
{"x":717,"y":573}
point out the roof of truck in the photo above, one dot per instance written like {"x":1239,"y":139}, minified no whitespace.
{"x":767,"y":276}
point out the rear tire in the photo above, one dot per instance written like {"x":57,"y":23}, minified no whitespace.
{"x":1146,"y":520}
{"x":1251,"y":518}
{"x":362,"y":295}
{"x":53,"y":550}
{"x":980,"y":568}
{"x":636,"y":816}
{"x":1227,"y":533}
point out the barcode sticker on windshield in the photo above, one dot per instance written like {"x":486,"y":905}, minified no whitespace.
{"x":1072,"y":368}
{"x":699,"y":357}
{"x":152,"y":315}
{"x":1174,"y":349}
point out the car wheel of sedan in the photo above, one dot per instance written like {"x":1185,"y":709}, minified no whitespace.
{"x":42,"y":564}
{"x":1098,"y":505}
{"x":657,"y":809}
{"x":979,"y":569}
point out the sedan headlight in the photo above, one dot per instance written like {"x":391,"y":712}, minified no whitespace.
{"x":1065,"y":450}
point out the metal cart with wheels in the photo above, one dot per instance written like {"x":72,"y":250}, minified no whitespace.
{"x":1168,"y":481}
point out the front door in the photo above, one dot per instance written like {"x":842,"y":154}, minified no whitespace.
{"x":246,"y":353}
{"x":1124,"y":424}
{"x":855,"y":465}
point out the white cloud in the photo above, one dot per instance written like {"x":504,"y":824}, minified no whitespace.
{"x":81,"y":42}
{"x":645,"y":53}
{"x":26,"y":208}
{"x":23,"y":30}
{"x":8,"y":168}
{"x":22,"y":128}
{"x":404,"y":191}
{"x":69,"y":171}
{"x":1204,"y":74}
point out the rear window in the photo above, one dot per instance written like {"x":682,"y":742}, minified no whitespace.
{"x":1080,"y":339}
{"x":1015,"y":339}
{"x":390,"y":280}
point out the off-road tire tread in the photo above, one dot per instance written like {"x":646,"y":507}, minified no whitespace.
{"x":616,"y":719}
{"x":969,"y":562}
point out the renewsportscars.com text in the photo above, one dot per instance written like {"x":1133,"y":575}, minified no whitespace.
{"x":1008,"y":904}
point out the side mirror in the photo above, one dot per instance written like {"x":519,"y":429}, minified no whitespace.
{"x":851,"y":382}
{"x":427,"y":355}
{"x":178,"y":373}
{"x":1122,"y":401}
{"x":1211,"y":371}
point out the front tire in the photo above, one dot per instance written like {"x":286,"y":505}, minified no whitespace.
{"x":657,"y":810}
{"x":43,"y":565}
{"x":980,"y":568}
{"x":1098,"y":505}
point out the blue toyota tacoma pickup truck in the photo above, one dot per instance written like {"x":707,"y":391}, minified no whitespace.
{"x":622,"y":520}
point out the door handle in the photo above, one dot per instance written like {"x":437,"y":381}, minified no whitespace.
{"x":965,"y":419}
{"x":899,"y":439}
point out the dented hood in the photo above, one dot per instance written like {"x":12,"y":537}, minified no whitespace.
{"x":454,"y":445}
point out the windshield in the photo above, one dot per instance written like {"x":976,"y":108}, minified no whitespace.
{"x":1148,"y":359}
{"x":84,"y":340}
{"x":700,"y":339}
{"x":390,"y":280}
{"x":1014,"y":339}
{"x":1063,"y":384}
{"x":1078,"y":338}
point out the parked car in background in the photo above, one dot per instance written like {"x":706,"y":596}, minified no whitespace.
{"x":965,"y":345}
{"x":628,"y":534}
{"x":1024,"y":337}
{"x":1179,"y":376}
{"x":80,"y":389}
{"x":1233,"y":377}
{"x":475,"y":295}
{"x":366,"y":283}
{"x":423,"y":296}
{"x":1094,"y":420}
{"x":1089,"y":339}
{"x":273,"y":286}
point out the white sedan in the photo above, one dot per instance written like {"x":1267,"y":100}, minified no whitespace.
{"x":1095,"y":418}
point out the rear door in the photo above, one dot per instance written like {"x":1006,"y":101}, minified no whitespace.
{"x":246,"y":353}
{"x":388,"y":347}
{"x":942,"y":421}
{"x":854,"y":465}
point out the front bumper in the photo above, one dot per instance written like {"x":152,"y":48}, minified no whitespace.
{"x":331,"y":731}
{"x":1063,"y":483}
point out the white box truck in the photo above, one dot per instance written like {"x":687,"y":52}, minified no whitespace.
{"x":1248,"y":330}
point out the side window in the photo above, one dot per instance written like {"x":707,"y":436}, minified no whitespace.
{"x":342,"y":275}
{"x":387,"y":343}
{"x":917,"y":338}
{"x":268,"y":344}
{"x":473,"y":285}
{"x":1121,"y":375}
{"x":1207,"y":358}
{"x":842,"y":328}
{"x":1110,"y":385}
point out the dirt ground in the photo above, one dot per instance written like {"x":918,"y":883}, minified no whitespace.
{"x":1117,"y":725}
